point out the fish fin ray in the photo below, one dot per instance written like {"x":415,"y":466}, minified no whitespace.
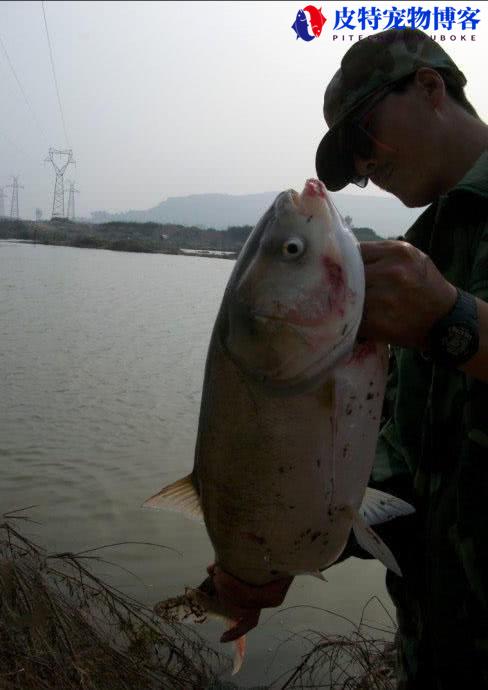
{"x":378,"y":507}
{"x":194,"y":606}
{"x":181,"y":610}
{"x":370,"y":542}
{"x":181,"y":496}
{"x":239,"y":650}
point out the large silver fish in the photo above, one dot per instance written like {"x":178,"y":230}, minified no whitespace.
{"x":290,"y":409}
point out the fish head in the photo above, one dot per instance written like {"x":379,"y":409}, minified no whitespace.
{"x":295,"y":299}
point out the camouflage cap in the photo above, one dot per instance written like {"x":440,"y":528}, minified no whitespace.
{"x":368,"y":68}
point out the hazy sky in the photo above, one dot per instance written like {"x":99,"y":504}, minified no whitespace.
{"x":173,"y":98}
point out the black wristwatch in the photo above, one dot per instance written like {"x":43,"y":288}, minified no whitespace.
{"x":454,"y":339}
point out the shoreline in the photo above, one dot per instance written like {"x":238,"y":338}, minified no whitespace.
{"x":205,"y":253}
{"x":147,"y":238}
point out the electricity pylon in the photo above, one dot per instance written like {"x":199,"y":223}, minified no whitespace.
{"x":14,"y":203}
{"x":71,"y":200}
{"x":2,"y":204}
{"x":65,"y":158}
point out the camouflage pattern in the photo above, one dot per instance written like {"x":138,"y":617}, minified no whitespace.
{"x":369,"y":67}
{"x":377,"y":61}
{"x":433,"y":452}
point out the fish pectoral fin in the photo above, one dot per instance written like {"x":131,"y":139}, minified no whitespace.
{"x":378,"y":507}
{"x":370,"y":542}
{"x":181,"y":496}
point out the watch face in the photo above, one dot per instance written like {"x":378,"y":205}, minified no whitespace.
{"x":457,"y":339}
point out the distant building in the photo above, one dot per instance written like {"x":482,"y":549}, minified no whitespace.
{"x":38,"y":215}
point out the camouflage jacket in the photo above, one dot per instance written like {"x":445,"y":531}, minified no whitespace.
{"x":433,"y":451}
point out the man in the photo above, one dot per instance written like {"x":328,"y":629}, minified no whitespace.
{"x":397,"y":115}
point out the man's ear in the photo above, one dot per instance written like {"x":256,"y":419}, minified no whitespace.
{"x":431,"y":84}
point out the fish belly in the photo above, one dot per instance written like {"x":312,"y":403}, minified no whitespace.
{"x":274,"y":477}
{"x":360,"y":390}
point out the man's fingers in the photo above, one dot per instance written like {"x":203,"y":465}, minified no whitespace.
{"x":387,"y":249}
{"x":374,"y":251}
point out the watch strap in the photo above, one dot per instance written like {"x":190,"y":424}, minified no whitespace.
{"x":454,"y":338}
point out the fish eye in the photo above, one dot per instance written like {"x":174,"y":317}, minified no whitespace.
{"x":293,"y":248}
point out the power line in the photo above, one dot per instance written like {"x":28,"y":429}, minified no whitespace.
{"x":22,"y":90}
{"x":54,"y":74}
{"x":14,"y":145}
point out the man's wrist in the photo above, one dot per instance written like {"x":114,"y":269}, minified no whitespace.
{"x":454,"y":339}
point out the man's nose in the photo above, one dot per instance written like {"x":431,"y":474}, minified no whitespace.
{"x":365,"y":167}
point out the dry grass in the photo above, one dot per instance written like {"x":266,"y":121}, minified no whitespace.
{"x":359,"y":660}
{"x":63,"y":628}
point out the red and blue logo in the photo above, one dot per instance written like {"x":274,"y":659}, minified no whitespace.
{"x":309,"y":19}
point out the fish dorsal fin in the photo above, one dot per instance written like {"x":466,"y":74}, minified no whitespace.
{"x":378,"y":507}
{"x":181,"y":496}
{"x":370,"y":542}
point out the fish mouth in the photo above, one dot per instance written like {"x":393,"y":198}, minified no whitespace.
{"x":313,"y":195}
{"x":289,"y":200}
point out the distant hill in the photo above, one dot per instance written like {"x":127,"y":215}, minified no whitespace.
{"x":386,"y":215}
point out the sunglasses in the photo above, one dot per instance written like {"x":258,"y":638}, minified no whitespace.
{"x":357,"y":140}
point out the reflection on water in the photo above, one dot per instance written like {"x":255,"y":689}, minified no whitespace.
{"x":101,"y":363}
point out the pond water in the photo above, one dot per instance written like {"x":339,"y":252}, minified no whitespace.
{"x":101,"y":366}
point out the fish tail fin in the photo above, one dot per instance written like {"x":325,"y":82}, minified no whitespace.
{"x":239,"y":648}
{"x":370,"y":542}
{"x":186,"y":608}
{"x":197,"y":606}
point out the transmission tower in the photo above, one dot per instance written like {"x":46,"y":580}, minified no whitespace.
{"x":71,"y":200}
{"x":2,"y":204}
{"x":14,"y":204}
{"x":60,"y":163}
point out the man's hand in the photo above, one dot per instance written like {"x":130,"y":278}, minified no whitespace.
{"x":405,"y":294}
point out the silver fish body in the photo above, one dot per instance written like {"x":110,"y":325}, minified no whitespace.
{"x":291,"y":404}
{"x":278,"y":475}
